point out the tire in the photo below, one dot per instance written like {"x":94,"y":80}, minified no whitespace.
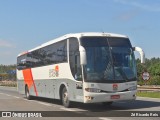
{"x":27,"y":94}
{"x":65,"y":99}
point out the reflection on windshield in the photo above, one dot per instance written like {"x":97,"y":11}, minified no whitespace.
{"x":123,"y":62}
{"x":108,"y":59}
{"x":99,"y":64}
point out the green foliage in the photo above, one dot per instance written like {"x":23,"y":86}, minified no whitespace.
{"x":149,"y":94}
{"x":4,"y":69}
{"x":153,"y":67}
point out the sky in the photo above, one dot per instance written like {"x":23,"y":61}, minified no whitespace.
{"x":25,"y":24}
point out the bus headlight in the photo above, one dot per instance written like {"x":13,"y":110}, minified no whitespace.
{"x":93,"y":90}
{"x":132,"y":88}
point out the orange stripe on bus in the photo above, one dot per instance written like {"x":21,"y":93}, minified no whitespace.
{"x":28,"y":79}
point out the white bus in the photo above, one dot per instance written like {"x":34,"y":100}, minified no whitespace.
{"x":81,"y":67}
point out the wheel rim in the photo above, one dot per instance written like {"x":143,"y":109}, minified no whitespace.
{"x":27,"y":93}
{"x":65,"y":97}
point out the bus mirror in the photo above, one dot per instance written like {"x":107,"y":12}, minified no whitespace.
{"x":141,"y":52}
{"x":82,"y":55}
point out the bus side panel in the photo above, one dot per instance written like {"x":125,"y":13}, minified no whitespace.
{"x":20,"y":82}
{"x":48,"y":79}
{"x":50,"y":88}
{"x":40,"y":86}
{"x":21,"y":86}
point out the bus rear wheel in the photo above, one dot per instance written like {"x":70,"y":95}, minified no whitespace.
{"x":65,"y":98}
{"x":27,"y":94}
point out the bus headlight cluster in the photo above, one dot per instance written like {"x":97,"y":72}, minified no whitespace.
{"x":132,"y":88}
{"x":93,"y":90}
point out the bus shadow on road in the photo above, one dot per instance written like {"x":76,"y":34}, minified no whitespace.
{"x":138,"y":105}
{"x":46,"y":100}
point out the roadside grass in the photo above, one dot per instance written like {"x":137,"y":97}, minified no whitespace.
{"x":148,"y":94}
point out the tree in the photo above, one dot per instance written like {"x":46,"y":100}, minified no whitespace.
{"x":153,"y":67}
{"x":7,"y":72}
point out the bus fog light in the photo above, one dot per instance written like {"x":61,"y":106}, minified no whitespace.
{"x":93,"y":90}
{"x":132,"y":88}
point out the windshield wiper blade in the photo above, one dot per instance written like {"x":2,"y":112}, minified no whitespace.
{"x":123,"y":74}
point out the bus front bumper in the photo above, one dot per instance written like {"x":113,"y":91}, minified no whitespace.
{"x":108,"y":97}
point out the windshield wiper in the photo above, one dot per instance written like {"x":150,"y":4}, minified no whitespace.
{"x":122,"y":73}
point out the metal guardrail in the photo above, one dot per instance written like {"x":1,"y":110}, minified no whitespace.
{"x":148,"y":88}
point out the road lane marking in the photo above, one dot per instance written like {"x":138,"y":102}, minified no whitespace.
{"x":6,"y":94}
{"x":75,"y":109}
{"x":16,"y":97}
{"x":25,"y":99}
{"x":104,"y":118}
{"x":84,"y":113}
{"x":67,"y":109}
{"x":10,"y":95}
{"x":72,"y":110}
{"x":42,"y":103}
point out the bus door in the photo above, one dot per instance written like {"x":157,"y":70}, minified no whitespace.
{"x":78,"y":77}
{"x":74,"y":61}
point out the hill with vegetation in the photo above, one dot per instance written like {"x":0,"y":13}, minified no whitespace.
{"x":7,"y":72}
{"x":153,"y":67}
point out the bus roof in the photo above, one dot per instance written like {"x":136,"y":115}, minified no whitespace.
{"x":77,"y":35}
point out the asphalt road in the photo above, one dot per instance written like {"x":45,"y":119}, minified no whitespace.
{"x":13,"y":102}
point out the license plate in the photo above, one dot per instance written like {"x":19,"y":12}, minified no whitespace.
{"x":115,"y":96}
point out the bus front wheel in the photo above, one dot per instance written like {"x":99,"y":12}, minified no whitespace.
{"x":65,"y":98}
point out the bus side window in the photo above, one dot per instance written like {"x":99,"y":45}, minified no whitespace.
{"x":74,"y":59}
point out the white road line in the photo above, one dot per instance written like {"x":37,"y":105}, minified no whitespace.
{"x":104,"y":118}
{"x":75,"y":109}
{"x":25,"y":99}
{"x":42,"y":103}
{"x":67,"y":109}
{"x":9,"y":95}
{"x":16,"y":97}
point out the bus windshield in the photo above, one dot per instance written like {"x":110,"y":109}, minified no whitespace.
{"x":109,"y":59}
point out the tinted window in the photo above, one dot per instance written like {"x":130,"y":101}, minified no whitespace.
{"x":52,"y":54}
{"x":74,"y":58}
{"x":119,"y":42}
{"x":94,"y":41}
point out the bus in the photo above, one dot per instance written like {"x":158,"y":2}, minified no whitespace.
{"x":87,"y":67}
